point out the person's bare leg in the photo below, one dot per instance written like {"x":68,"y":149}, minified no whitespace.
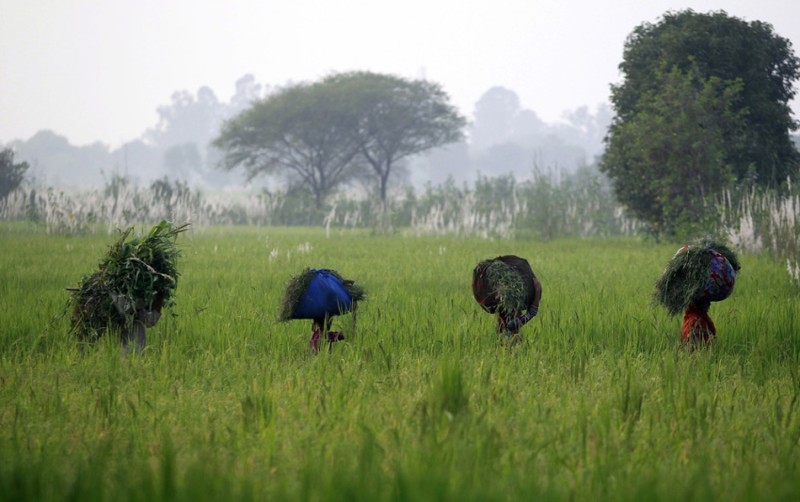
{"x":134,"y":338}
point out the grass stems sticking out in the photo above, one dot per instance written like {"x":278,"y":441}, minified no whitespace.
{"x":298,"y":285}
{"x":501,"y":286}
{"x":137,"y":273}
{"x":686,"y":274}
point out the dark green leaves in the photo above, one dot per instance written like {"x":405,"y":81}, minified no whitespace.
{"x":703,"y":107}
{"x":137,"y":273}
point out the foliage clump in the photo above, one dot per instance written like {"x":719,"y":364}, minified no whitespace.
{"x":137,"y":273}
{"x":686,"y":275}
{"x":500,"y":284}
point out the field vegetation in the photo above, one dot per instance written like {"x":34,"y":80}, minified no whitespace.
{"x":420,"y":402}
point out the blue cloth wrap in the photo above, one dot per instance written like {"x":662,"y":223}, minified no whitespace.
{"x":721,"y":278}
{"x":324,"y":296}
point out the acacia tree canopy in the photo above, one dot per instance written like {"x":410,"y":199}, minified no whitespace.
{"x":324,"y":133}
{"x":397,"y":118}
{"x":303,"y":132}
{"x":704,"y":104}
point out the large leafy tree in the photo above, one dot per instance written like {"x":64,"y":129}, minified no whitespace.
{"x":704,"y":103}
{"x":396,"y":118}
{"x":669,"y":159}
{"x":304,"y":131}
{"x":11,"y":174}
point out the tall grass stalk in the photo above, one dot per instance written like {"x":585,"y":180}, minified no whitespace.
{"x":759,"y":221}
{"x":549,"y":205}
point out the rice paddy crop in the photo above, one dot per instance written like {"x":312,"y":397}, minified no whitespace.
{"x":422,"y":402}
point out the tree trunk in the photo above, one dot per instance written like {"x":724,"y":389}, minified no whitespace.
{"x":383,"y":220}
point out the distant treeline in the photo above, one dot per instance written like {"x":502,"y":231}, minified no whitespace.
{"x":504,"y":138}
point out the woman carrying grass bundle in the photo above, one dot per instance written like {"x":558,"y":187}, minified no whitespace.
{"x":697,"y":275}
{"x":135,"y":280}
{"x":319,"y":295}
{"x":507,"y":286}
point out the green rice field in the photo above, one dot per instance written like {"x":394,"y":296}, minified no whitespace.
{"x":420,"y":402}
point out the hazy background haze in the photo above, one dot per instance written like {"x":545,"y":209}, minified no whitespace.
{"x":98,"y":71}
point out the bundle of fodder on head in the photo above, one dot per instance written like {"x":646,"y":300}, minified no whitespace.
{"x":503,"y":284}
{"x":700,"y":272}
{"x":319,"y":293}
{"x":137,"y":274}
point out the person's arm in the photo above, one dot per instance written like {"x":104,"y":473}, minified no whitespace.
{"x":533,"y":310}
{"x":537,"y":295}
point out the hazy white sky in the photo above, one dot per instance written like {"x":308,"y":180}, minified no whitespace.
{"x":96,"y":70}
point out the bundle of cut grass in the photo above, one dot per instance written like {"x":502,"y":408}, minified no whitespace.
{"x":503,"y":284}
{"x":700,"y":272}
{"x":319,"y":293}
{"x":137,"y":274}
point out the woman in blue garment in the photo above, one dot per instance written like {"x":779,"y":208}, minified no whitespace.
{"x":319,"y":295}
